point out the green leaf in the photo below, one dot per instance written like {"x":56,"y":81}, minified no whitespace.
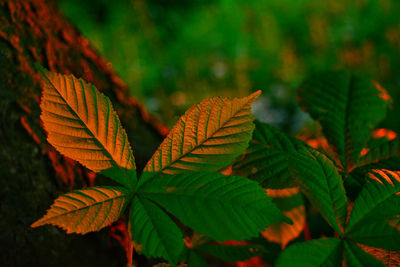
{"x":320,"y":181}
{"x":348,"y":108}
{"x":377,"y":203}
{"x":318,"y":252}
{"x":382,"y":186}
{"x":357,"y":257}
{"x":381,"y":152}
{"x":354,"y":183}
{"x":380,"y":233}
{"x":196,"y":260}
{"x":232,"y":253}
{"x":357,"y":178}
{"x":154,"y":231}
{"x":266,"y":161}
{"x":219,"y":206}
{"x":81,"y":124}
{"x":208,"y":137}
{"x":266,"y":158}
{"x":86,"y":210}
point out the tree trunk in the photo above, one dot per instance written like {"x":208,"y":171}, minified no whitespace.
{"x":32,"y":173}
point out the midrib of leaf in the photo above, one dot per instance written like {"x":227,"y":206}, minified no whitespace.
{"x":335,"y":223}
{"x":202,"y":142}
{"x":327,"y":259}
{"x":331,"y":197}
{"x":266,"y":146}
{"x":361,"y":219}
{"x":155,"y":228}
{"x":319,"y":252}
{"x":179,"y":193}
{"x":346,"y":123}
{"x":81,"y":121}
{"x":353,"y":251}
{"x":184,"y":194}
{"x":87,"y":206}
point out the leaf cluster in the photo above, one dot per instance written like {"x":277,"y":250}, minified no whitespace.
{"x":180,"y":183}
{"x":182,"y":208}
{"x":353,"y":183}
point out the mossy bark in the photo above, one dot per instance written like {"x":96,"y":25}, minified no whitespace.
{"x":32,"y":173}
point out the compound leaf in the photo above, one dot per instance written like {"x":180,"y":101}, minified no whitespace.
{"x":320,"y":181}
{"x":208,"y":137}
{"x":86,"y":210}
{"x":221,"y":207}
{"x":348,"y":108}
{"x":266,"y":158}
{"x":81,"y":124}
{"x":317,"y":252}
{"x":155,"y":231}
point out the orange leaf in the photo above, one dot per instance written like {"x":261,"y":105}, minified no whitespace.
{"x":82,"y":125}
{"x":86,"y":210}
{"x":283,"y":233}
{"x":208,"y":137}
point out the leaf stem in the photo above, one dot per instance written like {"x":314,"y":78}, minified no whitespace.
{"x":129,"y":249}
{"x":306,"y":231}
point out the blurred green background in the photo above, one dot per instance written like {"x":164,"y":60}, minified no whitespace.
{"x":172,"y":54}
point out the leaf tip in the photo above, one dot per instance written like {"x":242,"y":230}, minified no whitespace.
{"x":255,"y":95}
{"x":36,"y":223}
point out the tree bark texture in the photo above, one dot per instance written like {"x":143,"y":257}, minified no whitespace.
{"x":32,"y":173}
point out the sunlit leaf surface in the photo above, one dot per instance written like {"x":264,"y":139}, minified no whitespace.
{"x":86,"y":210}
{"x":81,"y":124}
{"x":208,"y":137}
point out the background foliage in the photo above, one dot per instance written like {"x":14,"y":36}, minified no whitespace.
{"x":174,"y":53}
